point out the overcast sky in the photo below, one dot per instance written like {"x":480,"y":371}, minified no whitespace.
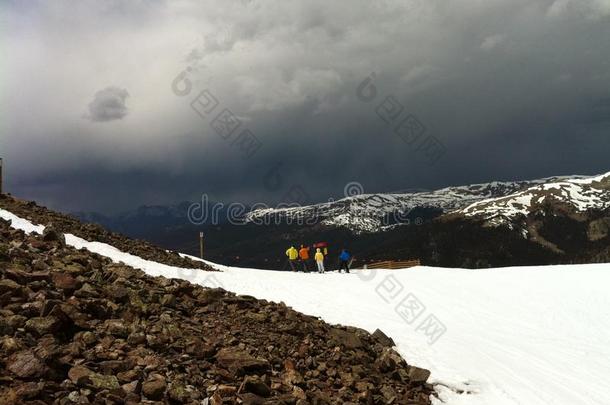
{"x":96,"y":97}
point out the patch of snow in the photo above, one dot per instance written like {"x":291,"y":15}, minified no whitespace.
{"x":20,"y":223}
{"x":149,"y":267}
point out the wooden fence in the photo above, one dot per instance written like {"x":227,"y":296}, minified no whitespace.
{"x":392,"y":265}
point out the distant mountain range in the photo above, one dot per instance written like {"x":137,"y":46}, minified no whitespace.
{"x":544,"y":221}
{"x":379,"y":212}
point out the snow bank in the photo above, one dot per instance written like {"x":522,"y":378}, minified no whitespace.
{"x":527,"y":335}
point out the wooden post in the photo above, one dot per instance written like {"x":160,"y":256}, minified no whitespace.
{"x":0,"y":175}
{"x":201,"y":245}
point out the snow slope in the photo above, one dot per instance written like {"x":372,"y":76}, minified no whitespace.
{"x":527,"y":336}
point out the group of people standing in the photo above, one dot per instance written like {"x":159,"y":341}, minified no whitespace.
{"x":300,"y":260}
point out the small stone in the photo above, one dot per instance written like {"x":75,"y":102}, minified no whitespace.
{"x":42,"y":325}
{"x":64,"y":281}
{"x":79,"y":375}
{"x":88,"y":338}
{"x":168,"y":300}
{"x":234,"y":359}
{"x":50,"y":234}
{"x":117,"y":327}
{"x":74,"y":396}
{"x":251,"y":399}
{"x":388,"y":394}
{"x":25,"y":364}
{"x":418,"y":375}
{"x":177,"y":392}
{"x":383,"y":339}
{"x":117,"y":292}
{"x":298,"y":392}
{"x":291,"y":375}
{"x":154,"y":387}
{"x":29,"y":390}
{"x":133,"y":387}
{"x":346,"y":338}
{"x":9,"y":345}
{"x":104,"y":382}
{"x":5,"y":327}
{"x":16,"y":321}
{"x":9,"y":285}
{"x":136,"y":338}
{"x":128,"y":376}
{"x":86,"y":291}
{"x":256,"y":386}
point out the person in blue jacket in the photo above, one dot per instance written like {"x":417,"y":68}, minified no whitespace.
{"x":345,"y":259}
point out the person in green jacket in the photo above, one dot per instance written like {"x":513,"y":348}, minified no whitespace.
{"x":293,"y":256}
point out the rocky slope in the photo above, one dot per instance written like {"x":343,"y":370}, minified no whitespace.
{"x":77,"y":328}
{"x":93,"y":232}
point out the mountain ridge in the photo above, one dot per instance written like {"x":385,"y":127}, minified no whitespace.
{"x":382,"y":211}
{"x":424,"y":225}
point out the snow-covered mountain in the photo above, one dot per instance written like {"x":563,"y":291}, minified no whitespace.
{"x":571,"y":196}
{"x":378,"y":212}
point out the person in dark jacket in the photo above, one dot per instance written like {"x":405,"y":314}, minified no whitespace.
{"x":345,"y":259}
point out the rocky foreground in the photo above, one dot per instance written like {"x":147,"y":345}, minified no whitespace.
{"x":92,"y":232}
{"x":76,"y":328}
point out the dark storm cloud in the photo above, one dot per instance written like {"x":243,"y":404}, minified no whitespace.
{"x":512,"y":89}
{"x":108,"y":105}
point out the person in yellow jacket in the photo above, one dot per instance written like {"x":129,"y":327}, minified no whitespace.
{"x":293,"y":256}
{"x":319,"y":257}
